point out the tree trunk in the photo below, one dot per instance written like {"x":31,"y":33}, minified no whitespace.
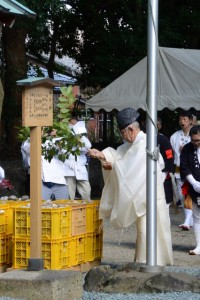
{"x":15,"y":69}
{"x":1,"y":86}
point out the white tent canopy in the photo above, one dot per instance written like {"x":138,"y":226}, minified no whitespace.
{"x":178,"y":83}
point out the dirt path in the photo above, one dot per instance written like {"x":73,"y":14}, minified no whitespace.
{"x":119,"y":245}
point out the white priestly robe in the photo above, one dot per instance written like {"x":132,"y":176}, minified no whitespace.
{"x":124,"y":198}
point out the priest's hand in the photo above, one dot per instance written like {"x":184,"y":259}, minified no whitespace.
{"x":96,"y":154}
{"x":106,"y":165}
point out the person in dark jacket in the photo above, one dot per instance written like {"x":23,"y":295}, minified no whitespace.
{"x":167,"y":154}
{"x":190,"y":171}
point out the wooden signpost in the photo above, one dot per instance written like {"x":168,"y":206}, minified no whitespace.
{"x":37,"y":111}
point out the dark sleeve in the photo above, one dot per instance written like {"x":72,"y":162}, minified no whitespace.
{"x":185,"y":168}
{"x":166,"y":152}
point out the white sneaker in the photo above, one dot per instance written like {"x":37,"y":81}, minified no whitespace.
{"x":196,"y":251}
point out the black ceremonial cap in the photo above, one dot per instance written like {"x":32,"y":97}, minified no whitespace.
{"x":126,"y":116}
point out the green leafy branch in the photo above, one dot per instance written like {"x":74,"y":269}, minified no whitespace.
{"x":68,"y":142}
{"x":23,"y":133}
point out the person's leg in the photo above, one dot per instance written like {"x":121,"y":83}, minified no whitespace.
{"x":188,"y":212}
{"x":168,"y":190}
{"x":188,"y":219}
{"x":179,"y":184}
{"x":196,"y":227}
{"x":84,"y":189}
{"x":60,"y":191}
{"x":46,"y":192}
{"x":71,"y":183}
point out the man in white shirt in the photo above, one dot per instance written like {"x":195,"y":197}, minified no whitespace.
{"x":54,"y":185}
{"x":75,"y":169}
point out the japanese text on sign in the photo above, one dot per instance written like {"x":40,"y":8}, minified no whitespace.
{"x":37,"y":106}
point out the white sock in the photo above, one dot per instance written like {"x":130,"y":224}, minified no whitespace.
{"x":197,"y":236}
{"x":197,"y":249}
{"x":188,"y":217}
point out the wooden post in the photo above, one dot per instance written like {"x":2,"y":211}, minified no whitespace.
{"x":35,"y":192}
{"x":37,"y":111}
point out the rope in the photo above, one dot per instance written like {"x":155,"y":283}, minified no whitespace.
{"x":155,"y":154}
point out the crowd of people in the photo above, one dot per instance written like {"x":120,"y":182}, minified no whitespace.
{"x":123,"y":197}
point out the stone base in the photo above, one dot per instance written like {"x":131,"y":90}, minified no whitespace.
{"x":129,"y":279}
{"x":85,"y":267}
{"x":40,"y":285}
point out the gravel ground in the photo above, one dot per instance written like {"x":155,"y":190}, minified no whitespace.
{"x":119,"y":244}
{"x":118,"y":248}
{"x":167,"y":296}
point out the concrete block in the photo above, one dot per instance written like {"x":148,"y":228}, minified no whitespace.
{"x":40,"y":285}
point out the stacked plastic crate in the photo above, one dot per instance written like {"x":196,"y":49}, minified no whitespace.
{"x":4,"y":251}
{"x":70,"y":234}
{"x":6,"y":230}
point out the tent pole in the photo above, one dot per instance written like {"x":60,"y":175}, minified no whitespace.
{"x":152,"y":57}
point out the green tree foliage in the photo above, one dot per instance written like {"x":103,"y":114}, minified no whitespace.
{"x":68,"y":142}
{"x":110,"y":38}
{"x":50,"y":32}
{"x":179,"y":24}
{"x":106,"y":38}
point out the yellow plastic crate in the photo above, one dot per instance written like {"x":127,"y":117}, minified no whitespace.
{"x":94,"y":224}
{"x":9,"y":248}
{"x":21,"y":253}
{"x":4,"y":218}
{"x":11,"y":205}
{"x":3,"y":250}
{"x":97,"y":246}
{"x":69,"y":257}
{"x":78,"y":219}
{"x":85,"y":216}
{"x":56,"y":222}
{"x":88,"y":247}
{"x":7,"y":206}
{"x":94,"y":246}
{"x":57,"y":254}
{"x":21,"y":217}
{"x":80,"y":248}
